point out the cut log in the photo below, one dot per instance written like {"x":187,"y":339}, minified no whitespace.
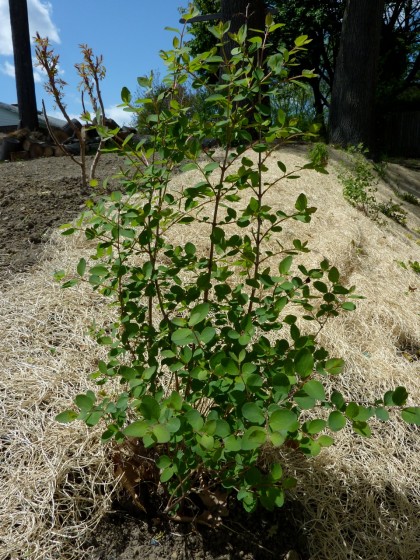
{"x":19,"y":156}
{"x":36,"y":150}
{"x":48,"y":150}
{"x":60,"y":134}
{"x":9,"y":146}
{"x":69,"y":129}
{"x":58,"y":152}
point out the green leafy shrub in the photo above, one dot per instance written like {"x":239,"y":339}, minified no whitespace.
{"x":408,"y":197}
{"x":393,"y":211}
{"x":414,"y":265}
{"x":359,"y":181}
{"x":194,"y":376}
{"x":318,"y":155}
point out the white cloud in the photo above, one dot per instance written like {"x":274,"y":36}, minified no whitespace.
{"x":9,"y":69}
{"x":118,"y":114}
{"x":39,"y":14}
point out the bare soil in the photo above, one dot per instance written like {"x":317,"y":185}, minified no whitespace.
{"x":35,"y":197}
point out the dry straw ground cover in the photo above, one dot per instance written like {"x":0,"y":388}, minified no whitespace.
{"x":361,"y":497}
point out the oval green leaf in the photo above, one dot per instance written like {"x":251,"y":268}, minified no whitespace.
{"x":161,"y":433}
{"x":198,"y":314}
{"x":315,"y":389}
{"x":283,"y":420}
{"x":136,"y":429}
{"x":182,"y":337}
{"x":336,"y":421}
{"x":253,"y":438}
{"x":66,"y":416}
{"x":253,"y":413}
{"x":411,"y":415}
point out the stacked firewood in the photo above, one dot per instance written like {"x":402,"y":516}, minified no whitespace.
{"x":24,"y":144}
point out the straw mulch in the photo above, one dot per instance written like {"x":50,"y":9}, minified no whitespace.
{"x":361,"y":497}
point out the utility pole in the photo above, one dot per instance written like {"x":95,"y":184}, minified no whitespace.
{"x":25,"y":85}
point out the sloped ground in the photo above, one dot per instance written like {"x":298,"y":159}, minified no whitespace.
{"x":359,"y":499}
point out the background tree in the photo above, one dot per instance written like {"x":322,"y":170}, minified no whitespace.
{"x":25,"y":85}
{"x":398,"y":78}
{"x":353,"y":94}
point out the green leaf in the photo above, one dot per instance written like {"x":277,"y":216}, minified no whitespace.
{"x":207,"y":335}
{"x":182,"y":337}
{"x":207,"y":442}
{"x":167,"y":474}
{"x":253,"y":438}
{"x":222,"y":428}
{"x":321,"y":287}
{"x":211,"y":167}
{"x":301,"y":40}
{"x":382,"y":414}
{"x":98,"y":270}
{"x":334,"y":366}
{"x":94,"y":417}
{"x":66,"y":416}
{"x":150,"y":408}
{"x":84,"y":402}
{"x":125,"y":95}
{"x":283,"y":420}
{"x":161,"y":433}
{"x":173,"y":424}
{"x":189,"y":166}
{"x":411,"y":415}
{"x":338,"y":400}
{"x":198,"y":314}
{"x":399,"y":396}
{"x":304,"y":401}
{"x":333,"y":275}
{"x":315,"y":389}
{"x":232,"y":444}
{"x":285,"y":265}
{"x":336,"y":421}
{"x":352,"y":410}
{"x":301,"y":203}
{"x":144,"y":81}
{"x":325,"y":441}
{"x":253,"y":413}
{"x":81,"y":267}
{"x":362,"y":428}
{"x":315,"y":426}
{"x":195,"y":420}
{"x":304,"y":363}
{"x":175,"y":400}
{"x":348,"y":306}
{"x":163,"y":462}
{"x":136,"y":429}
{"x":276,"y":471}
{"x":277,"y":438}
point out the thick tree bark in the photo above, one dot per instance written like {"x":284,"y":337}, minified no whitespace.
{"x":25,"y":85}
{"x":352,"y":101}
{"x":239,"y":12}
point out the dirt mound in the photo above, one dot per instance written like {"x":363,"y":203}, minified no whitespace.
{"x":357,"y":500}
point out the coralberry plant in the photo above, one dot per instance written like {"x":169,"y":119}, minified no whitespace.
{"x":212,"y":362}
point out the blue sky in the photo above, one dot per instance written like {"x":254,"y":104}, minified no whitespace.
{"x":128,"y":34}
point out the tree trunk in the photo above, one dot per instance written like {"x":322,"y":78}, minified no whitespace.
{"x":25,"y":85}
{"x":239,"y":12}
{"x":352,"y":100}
